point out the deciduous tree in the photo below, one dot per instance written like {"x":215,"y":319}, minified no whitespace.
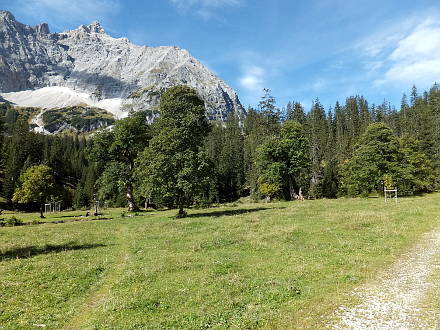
{"x":173,"y":169}
{"x":120,"y":147}
{"x":37,"y":186}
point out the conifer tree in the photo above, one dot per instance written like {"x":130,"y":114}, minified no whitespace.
{"x":317,"y":135}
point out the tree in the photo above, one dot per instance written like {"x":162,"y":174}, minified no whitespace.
{"x":22,"y":150}
{"x":37,"y":186}
{"x":225,"y":149}
{"x":283,"y":161}
{"x":173,"y":169}
{"x":255,"y":133}
{"x":295,"y":112}
{"x":271,"y":113}
{"x":374,"y":156}
{"x":120,"y":147}
{"x":417,"y":171}
{"x":377,"y":156}
{"x":317,"y":135}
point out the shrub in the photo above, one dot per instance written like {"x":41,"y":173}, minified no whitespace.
{"x":11,"y":222}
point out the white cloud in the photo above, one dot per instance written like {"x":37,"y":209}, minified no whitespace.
{"x":204,"y":8}
{"x":253,"y":78}
{"x":422,"y":73}
{"x":422,"y":43}
{"x":60,"y":12}
{"x":407,"y":53}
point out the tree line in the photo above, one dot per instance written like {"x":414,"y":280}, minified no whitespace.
{"x":354,"y":148}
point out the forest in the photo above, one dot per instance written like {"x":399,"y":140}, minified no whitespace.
{"x":182,"y":160}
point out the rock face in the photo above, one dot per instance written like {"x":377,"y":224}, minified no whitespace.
{"x":87,"y":60}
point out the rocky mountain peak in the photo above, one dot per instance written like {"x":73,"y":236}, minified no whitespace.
{"x":96,"y":27}
{"x":42,"y":29}
{"x":86,"y":65}
{"x":6,"y":16}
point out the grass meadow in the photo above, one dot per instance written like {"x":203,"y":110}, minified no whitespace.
{"x":276,"y":265}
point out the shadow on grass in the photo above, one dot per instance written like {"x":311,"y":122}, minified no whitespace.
{"x":30,"y":251}
{"x":225,"y":213}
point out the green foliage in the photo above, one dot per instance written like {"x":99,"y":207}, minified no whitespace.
{"x":37,"y":186}
{"x":376,"y":155}
{"x":225,"y":147}
{"x":318,"y":136}
{"x":111,"y":184}
{"x":420,"y":173}
{"x":269,"y":189}
{"x":174,"y":170}
{"x":388,"y":182}
{"x":10,"y":222}
{"x":295,"y":112}
{"x":116,"y":151}
{"x":272,"y":115}
{"x":22,"y":150}
{"x":283,"y":161}
{"x":242,"y":153}
{"x":381,"y":159}
{"x":80,"y":118}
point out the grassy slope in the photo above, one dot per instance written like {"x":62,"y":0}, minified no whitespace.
{"x":284,"y":265}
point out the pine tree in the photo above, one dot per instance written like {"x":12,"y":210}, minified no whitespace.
{"x":272,"y":115}
{"x":317,"y":135}
{"x":256,"y":133}
{"x":296,"y":112}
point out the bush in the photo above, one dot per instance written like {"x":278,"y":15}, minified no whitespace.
{"x":11,"y":222}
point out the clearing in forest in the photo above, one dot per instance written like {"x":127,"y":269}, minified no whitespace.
{"x":243,"y":265}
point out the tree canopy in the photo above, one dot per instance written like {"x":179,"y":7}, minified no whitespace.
{"x":249,"y":155}
{"x":282,"y":162}
{"x":174,"y":169}
{"x":379,"y":158}
{"x":117,"y":150}
{"x":37,"y":186}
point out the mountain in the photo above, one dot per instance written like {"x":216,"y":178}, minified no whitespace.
{"x":88,"y":67}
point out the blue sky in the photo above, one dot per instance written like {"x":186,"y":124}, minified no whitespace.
{"x":300,"y":50}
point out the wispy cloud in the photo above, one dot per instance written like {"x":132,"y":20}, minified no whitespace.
{"x":407,"y":53}
{"x":204,"y":8}
{"x":252,"y":78}
{"x":60,"y":12}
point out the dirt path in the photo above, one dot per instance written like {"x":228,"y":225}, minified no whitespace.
{"x":99,"y":296}
{"x":393,"y":301}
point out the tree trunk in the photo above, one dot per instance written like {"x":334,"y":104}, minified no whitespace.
{"x":41,"y":211}
{"x":182,"y":213}
{"x":132,"y":207}
{"x":292,"y":190}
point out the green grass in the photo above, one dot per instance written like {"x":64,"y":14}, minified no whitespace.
{"x":66,"y":216}
{"x":430,"y":306}
{"x":277,"y":265}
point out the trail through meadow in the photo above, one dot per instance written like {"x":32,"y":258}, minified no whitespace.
{"x":394,"y":300}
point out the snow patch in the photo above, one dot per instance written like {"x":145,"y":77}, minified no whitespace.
{"x":60,"y":97}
